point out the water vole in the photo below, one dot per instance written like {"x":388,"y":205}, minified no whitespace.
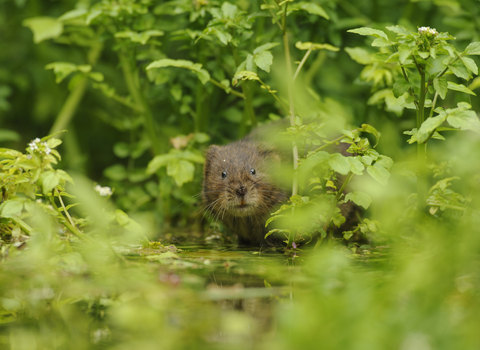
{"x":244,"y":182}
{"x":239,"y":188}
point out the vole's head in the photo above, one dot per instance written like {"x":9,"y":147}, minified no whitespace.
{"x":237,"y":180}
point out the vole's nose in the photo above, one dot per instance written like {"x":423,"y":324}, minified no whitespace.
{"x":241,"y":191}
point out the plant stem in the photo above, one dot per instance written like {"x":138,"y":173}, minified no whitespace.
{"x":292,"y":113}
{"x":133,"y":85}
{"x":421,"y":147}
{"x":73,"y":100}
{"x":304,"y":59}
{"x":227,"y":89}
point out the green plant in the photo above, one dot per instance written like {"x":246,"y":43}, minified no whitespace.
{"x":418,"y":63}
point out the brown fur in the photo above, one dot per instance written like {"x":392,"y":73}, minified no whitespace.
{"x":245,"y":195}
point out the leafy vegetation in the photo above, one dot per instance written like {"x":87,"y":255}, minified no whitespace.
{"x":131,"y":93}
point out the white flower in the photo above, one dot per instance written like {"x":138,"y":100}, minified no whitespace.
{"x":37,"y":140}
{"x":427,"y":30}
{"x":47,"y":149}
{"x":103,"y":191}
{"x":33,"y":146}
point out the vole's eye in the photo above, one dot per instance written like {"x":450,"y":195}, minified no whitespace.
{"x":252,"y":171}
{"x":224,"y":174}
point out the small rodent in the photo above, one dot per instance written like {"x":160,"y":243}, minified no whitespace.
{"x":242,"y":187}
{"x":239,"y":190}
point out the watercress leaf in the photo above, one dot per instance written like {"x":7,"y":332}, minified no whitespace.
{"x":399,"y":30}
{"x":400,"y":87}
{"x":441,"y":86}
{"x":309,"y":45}
{"x":202,"y":74}
{"x":244,"y":75}
{"x":72,"y":14}
{"x":159,"y":161}
{"x":12,"y":207}
{"x":386,"y":162}
{"x":460,"y":87}
{"x":44,"y":28}
{"x":428,"y":126}
{"x":311,"y":8}
{"x":369,"y":31}
{"x":318,"y":158}
{"x":223,"y":36}
{"x":264,"y":60}
{"x":359,"y":55}
{"x":381,"y":42}
{"x":371,"y":130}
{"x":473,"y":49}
{"x":49,"y":180}
{"x":459,"y":69}
{"x":182,"y":171}
{"x":464,"y":120}
{"x":64,"y":69}
{"x":229,"y":10}
{"x":470,"y":64}
{"x":141,"y":37}
{"x":265,"y":47}
{"x":360,"y":198}
{"x":356,"y":165}
{"x":339,"y":163}
{"x":404,"y":52}
{"x":53,"y":142}
{"x":379,"y":173}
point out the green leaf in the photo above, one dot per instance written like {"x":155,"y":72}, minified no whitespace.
{"x":265,"y":47}
{"x":359,"y":198}
{"x":53,"y":142}
{"x":311,"y":8}
{"x":400,"y":87}
{"x":64,"y":69}
{"x":356,"y":166}
{"x":309,"y":45}
{"x":12,"y":207}
{"x":460,"y":87}
{"x":379,"y":173}
{"x":139,"y":37}
{"x":428,"y":126}
{"x":202,"y":74}
{"x":473,"y":49}
{"x":441,"y":86}
{"x":404,"y":52}
{"x":459,"y":69}
{"x":371,"y":130}
{"x":229,"y":10}
{"x":244,"y":75}
{"x":72,"y":14}
{"x":264,"y":60}
{"x":399,"y":30}
{"x":44,"y":28}
{"x":369,"y":31}
{"x":339,"y":163}
{"x":318,"y":158}
{"x":182,"y":171}
{"x":470,"y":64}
{"x":359,"y":55}
{"x":464,"y":120}
{"x":381,"y":42}
{"x":49,"y":180}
